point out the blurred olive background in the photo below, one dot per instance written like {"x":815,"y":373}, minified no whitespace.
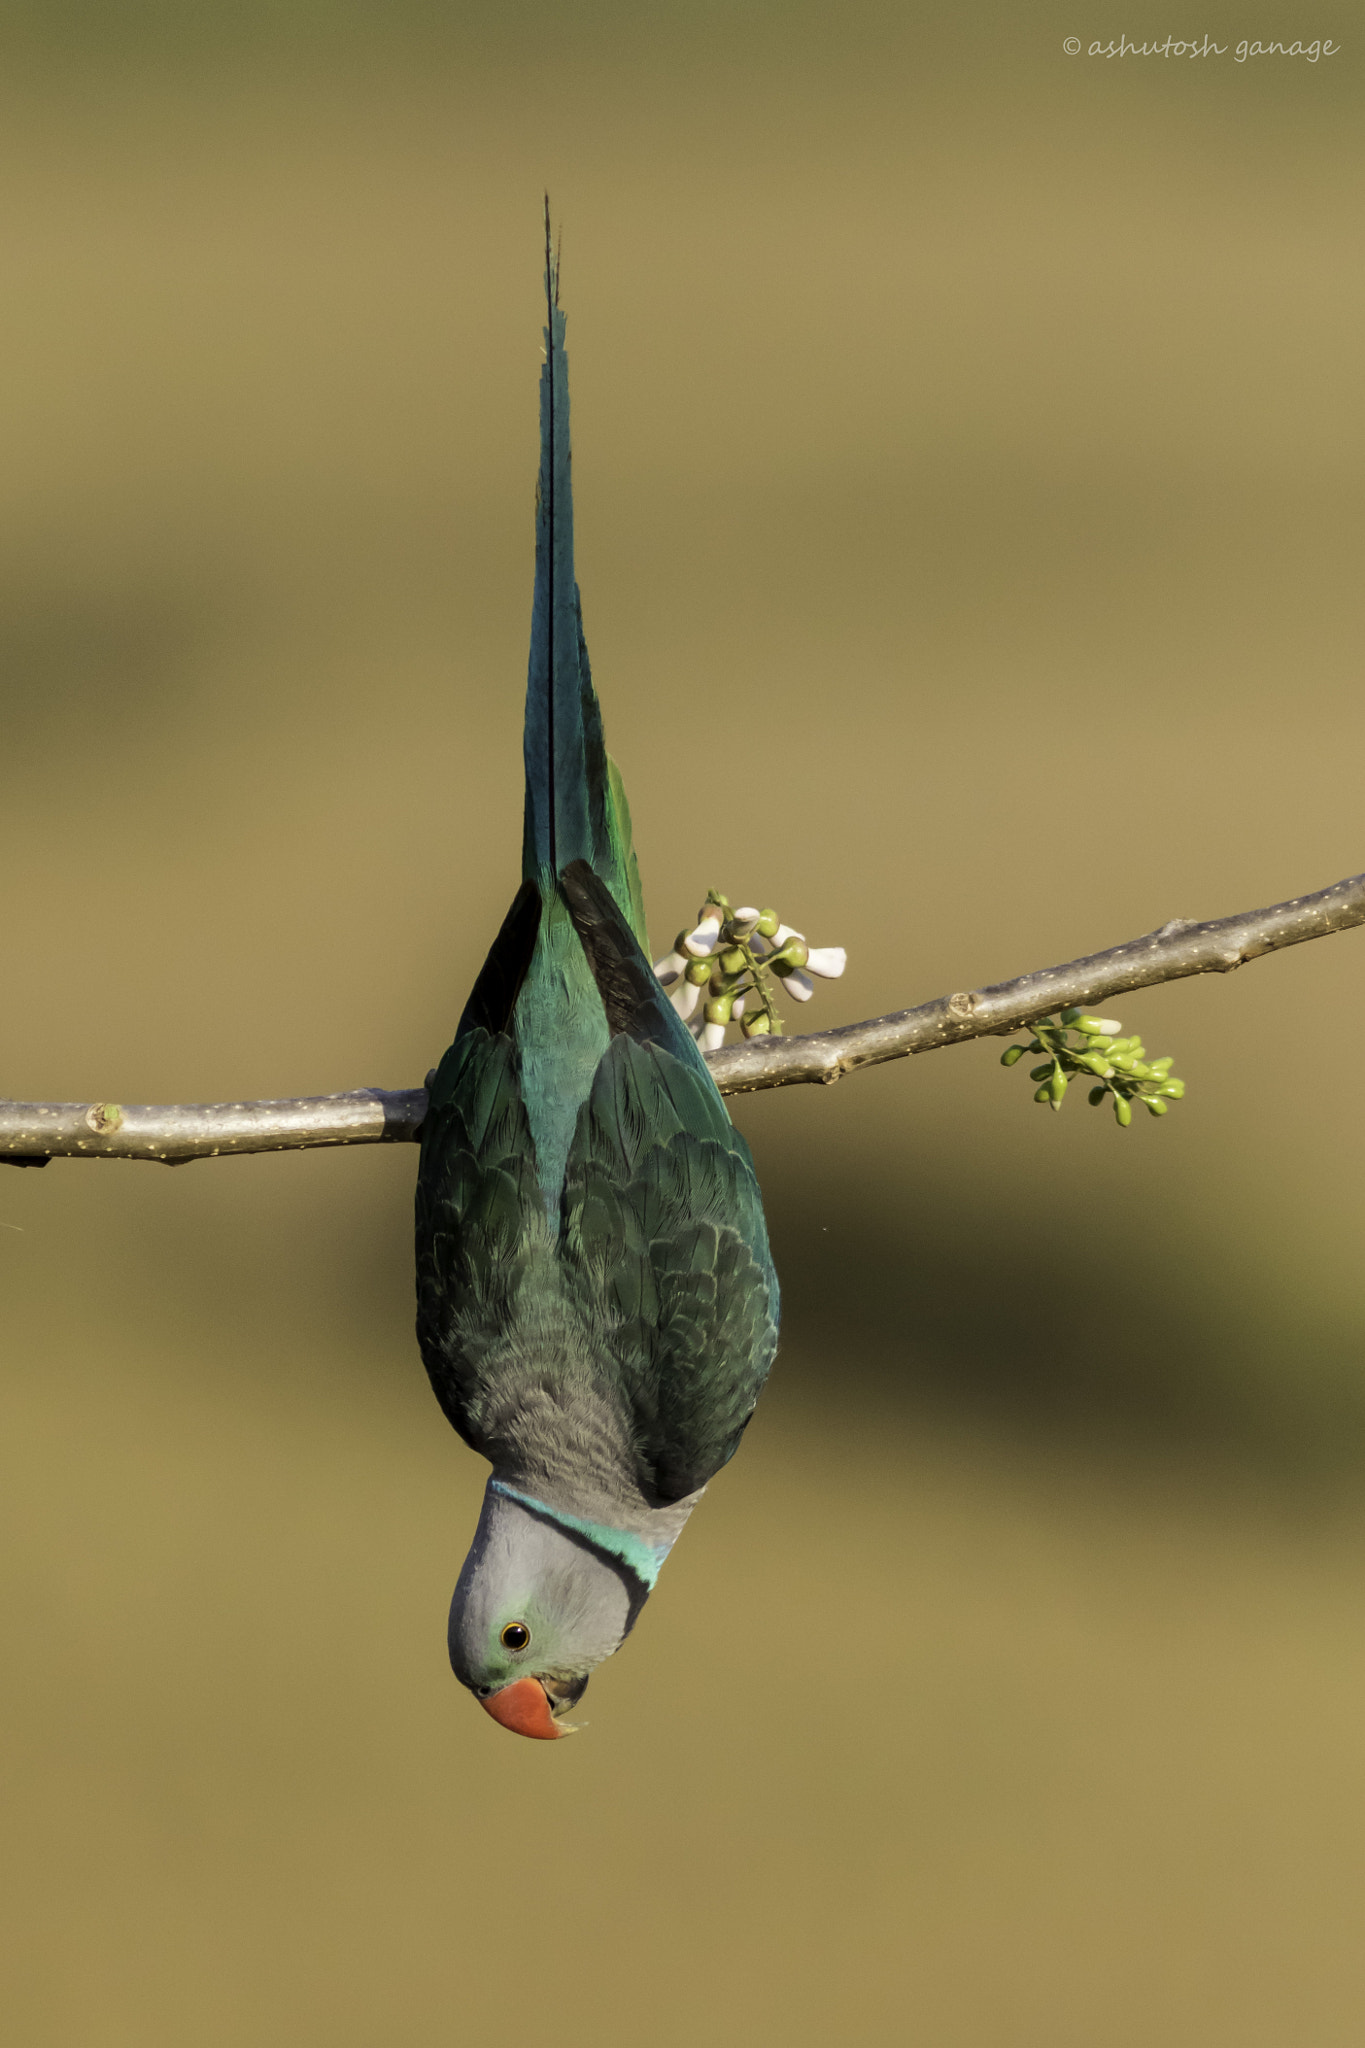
{"x":969,"y":448}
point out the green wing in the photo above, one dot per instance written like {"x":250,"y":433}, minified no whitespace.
{"x":657,"y":1284}
{"x":480,"y":1220}
{"x":664,"y":1247}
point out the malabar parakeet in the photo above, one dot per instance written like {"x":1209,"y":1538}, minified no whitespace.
{"x":597,"y":1307}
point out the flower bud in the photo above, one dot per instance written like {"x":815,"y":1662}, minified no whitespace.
{"x":699,"y":944}
{"x":767,"y":923}
{"x":1108,"y":1025}
{"x":698,"y":972}
{"x":1157,"y":1108}
{"x":732,"y":961}
{"x":1043,"y":1094}
{"x":1012,"y":1056}
{"x":1123,"y":1111}
{"x":718,"y":1010}
{"x":756,"y":1026}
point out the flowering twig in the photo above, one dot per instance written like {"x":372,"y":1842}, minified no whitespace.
{"x":1172,"y":952}
{"x":735,"y":955}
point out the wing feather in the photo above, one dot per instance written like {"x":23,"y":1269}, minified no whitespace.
{"x":663,"y":1245}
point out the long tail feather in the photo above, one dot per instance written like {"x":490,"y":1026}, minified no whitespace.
{"x":575,"y":807}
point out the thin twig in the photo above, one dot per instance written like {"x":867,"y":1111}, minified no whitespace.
{"x":33,"y":1132}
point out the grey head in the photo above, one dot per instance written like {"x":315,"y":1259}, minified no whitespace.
{"x":536,"y":1608}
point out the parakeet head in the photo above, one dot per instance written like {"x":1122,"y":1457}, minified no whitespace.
{"x":536,"y":1607}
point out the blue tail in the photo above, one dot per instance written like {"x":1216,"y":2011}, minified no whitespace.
{"x":575,"y":805}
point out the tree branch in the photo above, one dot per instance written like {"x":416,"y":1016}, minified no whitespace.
{"x":1176,"y":950}
{"x":31,"y":1133}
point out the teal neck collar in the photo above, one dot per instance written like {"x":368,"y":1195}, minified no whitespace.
{"x":642,"y":1558}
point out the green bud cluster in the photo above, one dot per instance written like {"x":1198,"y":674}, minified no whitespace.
{"x":734,"y":971}
{"x":732,"y":965}
{"x":1075,"y":1043}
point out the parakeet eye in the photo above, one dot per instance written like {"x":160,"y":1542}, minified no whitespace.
{"x":516,"y":1636}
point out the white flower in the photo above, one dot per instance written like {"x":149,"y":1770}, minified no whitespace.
{"x":701,"y":943}
{"x":712,"y":1037}
{"x":799,"y":984}
{"x":828,"y":962}
{"x":685,"y":998}
{"x":670,"y":967}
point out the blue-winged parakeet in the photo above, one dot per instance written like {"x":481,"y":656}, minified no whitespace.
{"x":597,"y":1307}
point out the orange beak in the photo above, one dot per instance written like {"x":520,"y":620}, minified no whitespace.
{"x":524,"y":1707}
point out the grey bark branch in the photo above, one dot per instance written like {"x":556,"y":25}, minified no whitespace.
{"x":33,"y":1132}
